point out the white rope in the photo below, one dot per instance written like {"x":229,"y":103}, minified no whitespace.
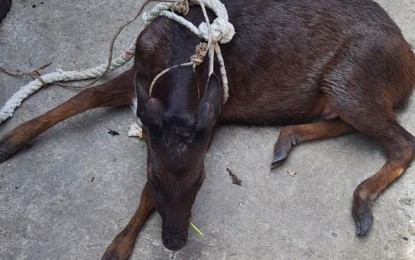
{"x":220,"y":31}
{"x":24,"y":92}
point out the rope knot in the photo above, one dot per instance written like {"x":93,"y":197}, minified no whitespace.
{"x":221,"y":30}
{"x":181,"y":7}
{"x":199,"y":56}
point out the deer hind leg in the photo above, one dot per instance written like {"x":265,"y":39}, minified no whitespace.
{"x":296,"y":134}
{"x":364,"y":83}
{"x":122,"y":245}
{"x":400,"y":148}
{"x":371,"y":112}
{"x":117,"y":92}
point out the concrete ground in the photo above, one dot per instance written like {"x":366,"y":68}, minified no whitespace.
{"x":69,"y":193}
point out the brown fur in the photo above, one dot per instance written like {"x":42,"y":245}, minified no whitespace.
{"x":296,"y":61}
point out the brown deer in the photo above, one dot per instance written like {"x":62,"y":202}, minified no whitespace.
{"x":324,"y":68}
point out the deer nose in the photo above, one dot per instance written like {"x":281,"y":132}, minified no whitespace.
{"x":175,"y":241}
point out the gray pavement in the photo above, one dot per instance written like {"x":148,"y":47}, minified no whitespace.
{"x":69,"y":193}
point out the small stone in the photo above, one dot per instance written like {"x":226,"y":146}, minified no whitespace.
{"x":291,"y":173}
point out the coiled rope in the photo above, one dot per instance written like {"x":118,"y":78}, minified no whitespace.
{"x":220,"y":31}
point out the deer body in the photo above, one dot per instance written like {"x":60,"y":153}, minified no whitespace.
{"x":329,"y":67}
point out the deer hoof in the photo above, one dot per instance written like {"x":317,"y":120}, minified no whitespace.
{"x":364,"y":218}
{"x":363,"y":225}
{"x":5,"y":151}
{"x":279,"y":158}
{"x":110,"y":256}
{"x":4,"y":156}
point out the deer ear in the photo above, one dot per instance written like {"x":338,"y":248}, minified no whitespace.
{"x":154,"y":113}
{"x":210,"y":105}
{"x":148,"y":109}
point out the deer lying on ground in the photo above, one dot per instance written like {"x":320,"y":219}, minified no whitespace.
{"x":323,"y":68}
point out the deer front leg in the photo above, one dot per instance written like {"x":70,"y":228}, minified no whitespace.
{"x":117,"y":92}
{"x":122,"y":245}
{"x":296,"y":134}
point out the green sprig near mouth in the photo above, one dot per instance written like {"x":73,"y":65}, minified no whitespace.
{"x":196,"y":230}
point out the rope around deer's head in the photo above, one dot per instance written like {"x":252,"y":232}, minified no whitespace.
{"x":220,"y":31}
